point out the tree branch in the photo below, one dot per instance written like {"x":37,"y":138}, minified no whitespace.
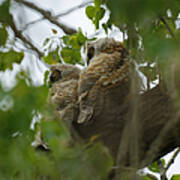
{"x":73,"y":9}
{"x":167,"y":26}
{"x":47,"y":15}
{"x":151,"y":176}
{"x":163,"y":177}
{"x":19,"y":35}
{"x":67,"y":12}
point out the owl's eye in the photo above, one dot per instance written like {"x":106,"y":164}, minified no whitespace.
{"x":90,"y":54}
{"x":55,"y":75}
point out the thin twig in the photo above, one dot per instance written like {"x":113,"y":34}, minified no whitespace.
{"x":151,"y":176}
{"x":168,"y":27}
{"x":32,"y":23}
{"x":67,"y":12}
{"x":47,"y":15}
{"x":19,"y":35}
{"x":171,"y":161}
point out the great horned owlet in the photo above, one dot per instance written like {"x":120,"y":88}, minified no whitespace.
{"x":108,"y":67}
{"x":63,"y":92}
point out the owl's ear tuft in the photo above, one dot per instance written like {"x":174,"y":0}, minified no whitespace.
{"x":55,"y":75}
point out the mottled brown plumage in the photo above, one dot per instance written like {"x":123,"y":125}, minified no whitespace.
{"x":63,"y":92}
{"x":108,"y":67}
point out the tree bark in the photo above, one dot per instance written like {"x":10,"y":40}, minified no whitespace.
{"x":135,"y":135}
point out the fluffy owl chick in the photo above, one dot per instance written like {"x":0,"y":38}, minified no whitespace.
{"x":108,"y":68}
{"x":63,"y":92}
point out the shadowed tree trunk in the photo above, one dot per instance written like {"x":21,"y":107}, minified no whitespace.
{"x":154,"y":132}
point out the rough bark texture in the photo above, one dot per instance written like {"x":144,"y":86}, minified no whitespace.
{"x":156,"y":130}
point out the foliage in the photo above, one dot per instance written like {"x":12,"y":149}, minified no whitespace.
{"x":19,"y":157}
{"x":152,"y":21}
{"x":154,"y":167}
{"x":5,"y":16}
{"x":95,"y":13}
{"x":3,"y":36}
{"x":175,"y":177}
{"x":152,"y":36}
{"x":70,"y":45}
{"x":10,"y":57}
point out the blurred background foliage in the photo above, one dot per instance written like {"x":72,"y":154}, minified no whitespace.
{"x":151,"y":32}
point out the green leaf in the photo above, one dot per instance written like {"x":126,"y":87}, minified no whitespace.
{"x":107,"y":25}
{"x":100,"y":13}
{"x":95,"y":13}
{"x":150,"y":72}
{"x":66,"y":39}
{"x":52,"y":57}
{"x":51,"y":129}
{"x":175,"y":177}
{"x":100,"y":159}
{"x":146,"y":178}
{"x":154,"y":167}
{"x":5,"y":16}
{"x":71,"y":55}
{"x":10,"y":57}
{"x":81,"y":38}
{"x":97,"y":3}
{"x":46,"y":75}
{"x":46,"y":41}
{"x":90,"y":12}
{"x":3,"y":36}
{"x":76,"y":40}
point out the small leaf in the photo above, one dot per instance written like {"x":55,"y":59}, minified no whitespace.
{"x":154,"y":167}
{"x":5,"y":16}
{"x":146,"y":178}
{"x":149,"y":72}
{"x":52,"y":57}
{"x":100,"y":13}
{"x":95,"y":13}
{"x":71,"y":55}
{"x":46,"y":41}
{"x":10,"y":57}
{"x":81,"y":38}
{"x":54,"y":31}
{"x":3,"y":36}
{"x":46,"y":75}
{"x":97,"y":3}
{"x":94,"y":138}
{"x":65,"y":39}
{"x":73,"y":41}
{"x":175,"y":177}
{"x":163,"y":162}
{"x":99,"y":158}
{"x":90,"y":12}
{"x":107,"y":25}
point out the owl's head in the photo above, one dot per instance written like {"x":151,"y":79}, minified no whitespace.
{"x":63,"y":72}
{"x":103,"y":45}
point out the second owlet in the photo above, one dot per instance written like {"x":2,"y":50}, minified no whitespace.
{"x":101,"y":81}
{"x":63,"y":92}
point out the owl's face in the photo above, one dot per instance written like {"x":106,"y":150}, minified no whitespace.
{"x":103,"y":45}
{"x":63,"y":82}
{"x":63,"y":72}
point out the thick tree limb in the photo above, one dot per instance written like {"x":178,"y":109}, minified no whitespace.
{"x":47,"y":15}
{"x":67,"y":12}
{"x":159,"y":126}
